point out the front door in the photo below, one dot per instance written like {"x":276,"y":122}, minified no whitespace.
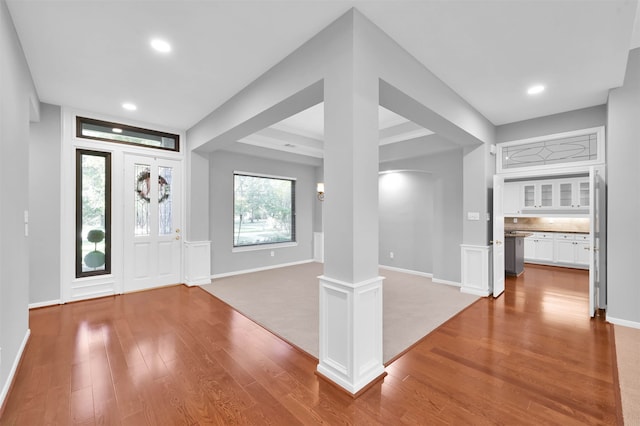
{"x":152,"y":222}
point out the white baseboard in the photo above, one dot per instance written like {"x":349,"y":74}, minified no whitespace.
{"x":406,"y":271}
{"x":45,"y":304}
{"x":446,"y":282}
{"x":625,"y":323}
{"x":475,"y":292}
{"x":14,"y":369}
{"x":264,"y":268}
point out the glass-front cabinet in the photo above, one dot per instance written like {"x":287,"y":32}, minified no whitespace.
{"x":562,"y":194}
{"x":537,"y":195}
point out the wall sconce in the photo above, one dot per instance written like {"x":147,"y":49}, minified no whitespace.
{"x":320,"y":189}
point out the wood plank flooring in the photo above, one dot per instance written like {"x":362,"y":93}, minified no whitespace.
{"x":177,"y":355}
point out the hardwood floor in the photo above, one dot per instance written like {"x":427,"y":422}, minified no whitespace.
{"x":177,"y":355}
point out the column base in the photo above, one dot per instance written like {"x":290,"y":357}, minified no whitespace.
{"x":351,"y":332}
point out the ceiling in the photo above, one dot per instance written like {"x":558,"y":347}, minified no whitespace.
{"x":95,"y":54}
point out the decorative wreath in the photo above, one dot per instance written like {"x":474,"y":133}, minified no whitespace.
{"x":143,"y":187}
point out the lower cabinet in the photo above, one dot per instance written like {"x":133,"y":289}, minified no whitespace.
{"x":539,"y":247}
{"x":560,"y":249}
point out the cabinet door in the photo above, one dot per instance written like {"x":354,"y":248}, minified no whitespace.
{"x":546,"y":195}
{"x":583,"y":253}
{"x":566,"y":195}
{"x":529,"y":195}
{"x":530,"y":248}
{"x":511,"y":199}
{"x":583,"y":194}
{"x":565,"y":251}
{"x":544,"y":249}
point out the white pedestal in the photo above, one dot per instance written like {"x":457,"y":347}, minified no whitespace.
{"x":351,"y":332}
{"x":197,"y":262}
{"x":476,"y":270}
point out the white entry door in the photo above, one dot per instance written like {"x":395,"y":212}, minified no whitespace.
{"x":498,"y":235}
{"x":152,"y":222}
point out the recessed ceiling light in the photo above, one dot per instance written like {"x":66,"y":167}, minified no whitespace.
{"x":160,"y":45}
{"x":534,"y":90}
{"x":129,"y":106}
{"x":116,"y":130}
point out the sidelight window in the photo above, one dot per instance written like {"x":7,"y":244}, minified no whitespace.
{"x":93,"y":213}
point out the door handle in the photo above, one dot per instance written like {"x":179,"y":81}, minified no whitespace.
{"x":177,"y":237}
{"x":496,"y":242}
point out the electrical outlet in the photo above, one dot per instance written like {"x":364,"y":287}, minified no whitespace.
{"x":515,"y":220}
{"x":273,"y":253}
{"x":390,"y":255}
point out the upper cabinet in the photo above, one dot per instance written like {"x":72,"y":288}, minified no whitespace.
{"x":569,"y":195}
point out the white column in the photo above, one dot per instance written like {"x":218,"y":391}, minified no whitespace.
{"x":350,"y":289}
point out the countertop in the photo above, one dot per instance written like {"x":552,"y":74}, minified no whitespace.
{"x":517,"y":234}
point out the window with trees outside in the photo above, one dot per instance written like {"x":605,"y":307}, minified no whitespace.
{"x":93,"y":213}
{"x":263,"y":210}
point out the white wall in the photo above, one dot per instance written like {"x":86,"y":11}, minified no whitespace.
{"x":44,"y":206}
{"x":223,"y":164}
{"x":19,"y":103}
{"x":623,"y":226}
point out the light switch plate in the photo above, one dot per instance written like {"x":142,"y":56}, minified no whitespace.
{"x":473,"y":215}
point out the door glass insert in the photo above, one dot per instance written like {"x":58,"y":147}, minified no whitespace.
{"x":165,"y":219}
{"x":143,"y":190}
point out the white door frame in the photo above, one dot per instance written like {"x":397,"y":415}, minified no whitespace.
{"x":498,"y":235}
{"x":594,"y":212}
{"x":72,"y":288}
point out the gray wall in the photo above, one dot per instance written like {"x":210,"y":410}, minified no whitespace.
{"x":18,"y":104}
{"x":223,"y":164}
{"x":44,"y":206}
{"x":557,"y":123}
{"x":406,"y":220}
{"x":623,"y":227}
{"x":446,"y":182}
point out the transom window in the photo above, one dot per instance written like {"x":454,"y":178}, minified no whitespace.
{"x":264,"y":210}
{"x":89,"y":128}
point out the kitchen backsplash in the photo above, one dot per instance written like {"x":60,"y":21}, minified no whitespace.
{"x":549,"y":224}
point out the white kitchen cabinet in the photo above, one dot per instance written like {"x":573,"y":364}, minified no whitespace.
{"x":561,"y":196}
{"x":583,"y":249}
{"x":573,"y":194}
{"x":511,"y":199}
{"x":562,"y":249}
{"x":565,"y":248}
{"x":539,"y":247}
{"x":537,"y":195}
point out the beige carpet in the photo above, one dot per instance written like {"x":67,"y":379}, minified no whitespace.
{"x":628,"y":359}
{"x":285,"y":301}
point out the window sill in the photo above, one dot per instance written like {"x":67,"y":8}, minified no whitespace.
{"x":263,"y":247}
